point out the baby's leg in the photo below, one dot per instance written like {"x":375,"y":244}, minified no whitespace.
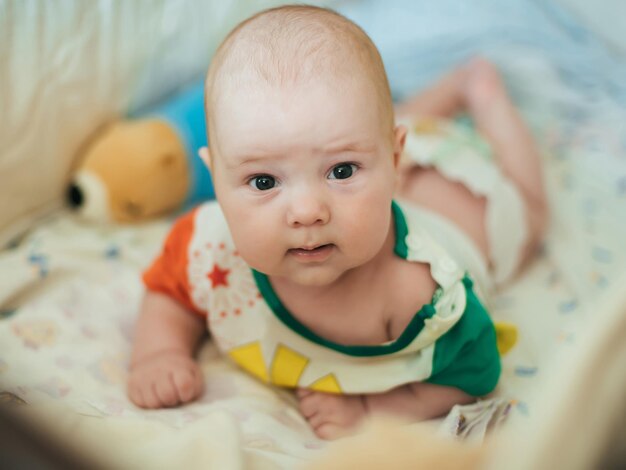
{"x":438,"y":400}
{"x":417,"y":401}
{"x":513,"y":146}
{"x":477,"y":88}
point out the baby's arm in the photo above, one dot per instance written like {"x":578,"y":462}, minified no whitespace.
{"x":333,"y":416}
{"x":163,"y":371}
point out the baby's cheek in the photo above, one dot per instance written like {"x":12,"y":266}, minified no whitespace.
{"x":368,"y":233}
{"x":258,"y":249}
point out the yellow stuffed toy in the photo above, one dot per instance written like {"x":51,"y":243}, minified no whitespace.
{"x":145,"y":166}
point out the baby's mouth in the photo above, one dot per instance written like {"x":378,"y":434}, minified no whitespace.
{"x":316,"y":253}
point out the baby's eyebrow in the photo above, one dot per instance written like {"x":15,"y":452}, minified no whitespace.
{"x":240,"y":160}
{"x":350,"y":147}
{"x":344,"y":147}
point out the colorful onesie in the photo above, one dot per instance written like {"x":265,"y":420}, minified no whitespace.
{"x":450,"y":341}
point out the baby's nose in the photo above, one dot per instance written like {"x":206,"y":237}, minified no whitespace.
{"x":308,"y":210}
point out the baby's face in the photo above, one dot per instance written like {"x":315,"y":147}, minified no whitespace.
{"x":305,"y":177}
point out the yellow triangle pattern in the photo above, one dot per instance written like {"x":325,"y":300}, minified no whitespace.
{"x":287,"y":366}
{"x":328,"y":384}
{"x":250,"y":358}
{"x":506,"y":337}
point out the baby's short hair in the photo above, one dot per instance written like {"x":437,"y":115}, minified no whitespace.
{"x":294,"y":43}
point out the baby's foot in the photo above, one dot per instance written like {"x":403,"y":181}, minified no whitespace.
{"x":483,"y":85}
{"x":487,"y":99}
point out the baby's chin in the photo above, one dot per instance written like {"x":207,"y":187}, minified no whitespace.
{"x":316,"y":279}
{"x":312,"y":276}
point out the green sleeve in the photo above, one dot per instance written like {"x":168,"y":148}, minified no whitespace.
{"x":467,"y":356}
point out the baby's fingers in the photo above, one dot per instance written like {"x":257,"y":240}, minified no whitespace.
{"x":309,"y":406}
{"x":187,"y":383}
{"x":135,"y":395}
{"x":329,"y":431}
{"x":303,"y":392}
{"x":149,"y":397}
{"x":165,"y":391}
{"x":142,"y":392}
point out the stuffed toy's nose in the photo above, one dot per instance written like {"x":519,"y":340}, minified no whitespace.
{"x":75,"y":196}
{"x":88,"y":195}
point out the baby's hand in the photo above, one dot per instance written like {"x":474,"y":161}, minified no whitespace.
{"x":331,"y":416}
{"x":164,"y":379}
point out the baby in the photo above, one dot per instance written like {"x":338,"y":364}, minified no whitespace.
{"x":306,"y":271}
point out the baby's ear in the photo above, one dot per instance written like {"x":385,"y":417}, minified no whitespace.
{"x":205,"y":155}
{"x":399,"y":138}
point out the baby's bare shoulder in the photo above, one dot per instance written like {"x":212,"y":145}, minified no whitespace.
{"x":410,"y":287}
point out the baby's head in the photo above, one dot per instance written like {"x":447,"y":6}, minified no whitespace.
{"x":297,"y":45}
{"x":304,"y":150}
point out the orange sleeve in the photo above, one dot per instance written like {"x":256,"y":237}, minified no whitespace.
{"x":168,"y":272}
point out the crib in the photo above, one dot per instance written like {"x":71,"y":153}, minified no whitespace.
{"x":70,"y":289}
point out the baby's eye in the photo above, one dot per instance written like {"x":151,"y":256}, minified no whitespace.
{"x":262,"y":182}
{"x":342,"y":171}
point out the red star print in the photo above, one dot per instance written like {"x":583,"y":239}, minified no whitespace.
{"x":218,"y":276}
